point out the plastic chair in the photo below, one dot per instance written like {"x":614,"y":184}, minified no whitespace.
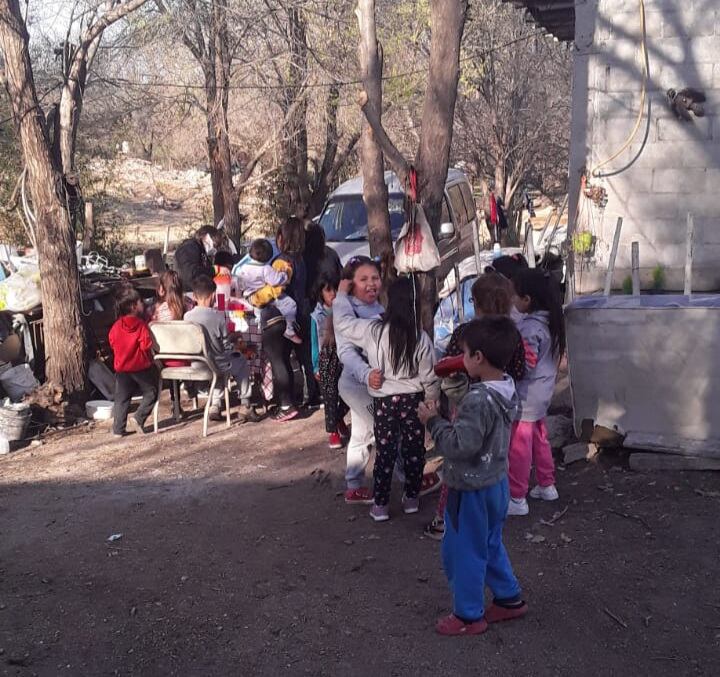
{"x":181,"y":340}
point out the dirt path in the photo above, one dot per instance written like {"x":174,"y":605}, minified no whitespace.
{"x":239,"y":557}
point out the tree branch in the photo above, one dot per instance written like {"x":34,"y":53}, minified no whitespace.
{"x":396,"y":159}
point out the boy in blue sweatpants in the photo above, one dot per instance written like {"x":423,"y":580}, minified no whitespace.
{"x":475,"y":450}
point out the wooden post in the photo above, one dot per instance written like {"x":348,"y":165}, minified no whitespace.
{"x":166,"y":244}
{"x":530,"y":243}
{"x":89,"y":233}
{"x":635,"y":253}
{"x":613,"y":256}
{"x":689,"y":242}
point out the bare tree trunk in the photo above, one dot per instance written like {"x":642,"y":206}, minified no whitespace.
{"x":447,"y":20}
{"x":64,"y":336}
{"x":215,"y":173}
{"x":375,"y":193}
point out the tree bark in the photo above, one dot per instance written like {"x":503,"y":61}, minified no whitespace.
{"x":375,"y":193}
{"x":447,"y":20}
{"x":64,"y":336}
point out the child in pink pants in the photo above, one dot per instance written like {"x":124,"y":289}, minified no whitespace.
{"x":537,"y":298}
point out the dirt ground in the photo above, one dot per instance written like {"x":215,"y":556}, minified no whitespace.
{"x":238,"y":556}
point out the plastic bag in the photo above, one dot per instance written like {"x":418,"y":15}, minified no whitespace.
{"x":18,"y":382}
{"x":416,"y":252}
{"x":21,"y":291}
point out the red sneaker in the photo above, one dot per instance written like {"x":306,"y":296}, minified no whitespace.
{"x":360,"y":496}
{"x":498,"y":614}
{"x":335,"y":441}
{"x":451,"y":626}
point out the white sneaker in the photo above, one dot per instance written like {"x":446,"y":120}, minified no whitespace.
{"x":518,"y":507}
{"x":549,"y":493}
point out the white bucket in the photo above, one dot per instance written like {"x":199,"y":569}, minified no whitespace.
{"x":99,"y":410}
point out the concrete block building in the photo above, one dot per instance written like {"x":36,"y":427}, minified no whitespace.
{"x":630,"y":155}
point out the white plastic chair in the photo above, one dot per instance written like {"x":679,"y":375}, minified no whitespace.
{"x":180,"y":340}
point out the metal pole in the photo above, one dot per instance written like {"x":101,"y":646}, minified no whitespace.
{"x":613,"y":255}
{"x":635,"y":255}
{"x":476,"y":242}
{"x":530,"y":243}
{"x":689,"y":243}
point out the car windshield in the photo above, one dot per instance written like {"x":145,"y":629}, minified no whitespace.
{"x":345,"y":218}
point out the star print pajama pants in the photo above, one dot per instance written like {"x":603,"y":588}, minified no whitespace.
{"x":397,"y":425}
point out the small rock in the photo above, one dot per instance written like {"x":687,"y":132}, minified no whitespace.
{"x":565,"y":538}
{"x":348,"y":541}
{"x":133,"y":611}
{"x":560,"y":431}
{"x":183,"y":579}
{"x":580,"y":451}
{"x":423,"y":578}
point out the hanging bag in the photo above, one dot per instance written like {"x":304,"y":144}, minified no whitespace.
{"x":415,"y":249}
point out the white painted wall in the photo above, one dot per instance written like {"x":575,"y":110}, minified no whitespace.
{"x":679,"y":168}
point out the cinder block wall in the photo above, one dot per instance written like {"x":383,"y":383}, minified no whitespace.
{"x":678,"y":168}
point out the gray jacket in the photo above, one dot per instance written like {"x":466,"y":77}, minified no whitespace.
{"x":536,"y":390}
{"x":354,"y":363}
{"x":375,"y":343}
{"x":475,"y":446}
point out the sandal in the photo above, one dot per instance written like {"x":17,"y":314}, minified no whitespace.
{"x":452,"y":626}
{"x":498,"y":614}
{"x":430,"y":482}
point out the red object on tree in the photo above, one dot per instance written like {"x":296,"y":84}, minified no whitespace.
{"x":493,"y":210}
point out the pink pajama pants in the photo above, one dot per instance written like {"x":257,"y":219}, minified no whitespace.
{"x":529,"y":446}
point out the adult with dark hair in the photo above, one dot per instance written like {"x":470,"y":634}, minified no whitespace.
{"x":356,"y":376}
{"x":290,"y":240}
{"x":193,"y":256}
{"x":320,"y":260}
{"x":278,"y":350}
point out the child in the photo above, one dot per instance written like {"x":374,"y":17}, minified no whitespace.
{"x":171,"y":302}
{"x":262,"y":283}
{"x":542,"y":329}
{"x":326,"y":364}
{"x":131,"y":344}
{"x":492,"y":295}
{"x":475,"y":449}
{"x":220,"y":343}
{"x":401,"y":357}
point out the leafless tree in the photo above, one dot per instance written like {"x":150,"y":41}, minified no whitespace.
{"x":512,"y":117}
{"x":65,"y":339}
{"x":447,"y":20}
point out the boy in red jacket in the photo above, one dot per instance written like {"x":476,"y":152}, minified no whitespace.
{"x":131,"y":343}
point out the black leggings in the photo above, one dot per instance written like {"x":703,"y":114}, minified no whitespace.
{"x":303,"y":352}
{"x":397,"y":425}
{"x":278,"y":348}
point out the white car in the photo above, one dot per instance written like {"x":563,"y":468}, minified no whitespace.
{"x":344,"y":219}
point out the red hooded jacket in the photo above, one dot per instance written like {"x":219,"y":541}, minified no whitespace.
{"x":131,"y":343}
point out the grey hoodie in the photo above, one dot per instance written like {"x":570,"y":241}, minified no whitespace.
{"x":475,"y":446}
{"x":536,"y":390}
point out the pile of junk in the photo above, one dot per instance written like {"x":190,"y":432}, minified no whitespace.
{"x":27,"y":408}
